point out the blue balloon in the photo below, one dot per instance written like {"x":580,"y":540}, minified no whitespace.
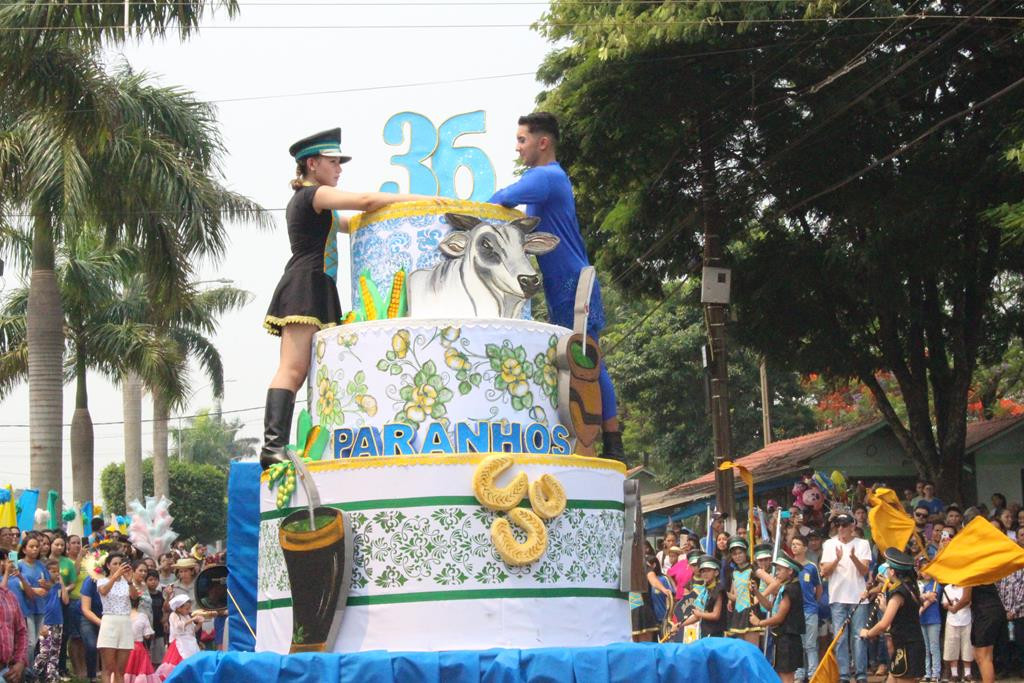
{"x":5,"y":496}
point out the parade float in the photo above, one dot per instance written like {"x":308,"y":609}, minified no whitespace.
{"x":444,"y":516}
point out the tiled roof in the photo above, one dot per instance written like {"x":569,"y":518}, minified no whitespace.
{"x":980,"y":432}
{"x":791,"y":455}
{"x":776,"y":459}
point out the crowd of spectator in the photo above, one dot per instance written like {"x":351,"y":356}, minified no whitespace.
{"x":97,"y":608}
{"x":718,"y":586}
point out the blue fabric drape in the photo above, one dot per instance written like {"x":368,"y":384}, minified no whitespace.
{"x":711,"y":660}
{"x":243,"y":551}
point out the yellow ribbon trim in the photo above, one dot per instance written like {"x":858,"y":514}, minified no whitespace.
{"x":270,"y":321}
{"x":578,"y":461}
{"x":429,"y":208}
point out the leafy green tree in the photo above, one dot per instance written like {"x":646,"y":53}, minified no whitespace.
{"x":659,"y":378}
{"x":210,"y":440}
{"x":81,"y":147}
{"x":198,"y":493}
{"x":841,"y":170}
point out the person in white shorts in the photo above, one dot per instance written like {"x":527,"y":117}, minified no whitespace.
{"x":956,"y":645}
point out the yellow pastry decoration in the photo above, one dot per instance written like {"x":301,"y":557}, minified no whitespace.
{"x":547,"y":497}
{"x":488,"y":493}
{"x":514,"y":553}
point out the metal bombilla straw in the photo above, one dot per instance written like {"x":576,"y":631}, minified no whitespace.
{"x":312,"y":493}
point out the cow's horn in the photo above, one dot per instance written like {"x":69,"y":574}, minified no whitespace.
{"x":526,"y":224}
{"x":459,"y":221}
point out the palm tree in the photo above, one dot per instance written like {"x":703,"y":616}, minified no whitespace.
{"x":79,"y":146}
{"x":98,"y":336}
{"x":184,"y":325}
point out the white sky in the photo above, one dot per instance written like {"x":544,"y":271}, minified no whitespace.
{"x":235,"y":59}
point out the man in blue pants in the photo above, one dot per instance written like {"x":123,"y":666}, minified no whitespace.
{"x":547,"y":193}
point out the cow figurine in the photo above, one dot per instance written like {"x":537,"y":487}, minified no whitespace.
{"x":486,"y":274}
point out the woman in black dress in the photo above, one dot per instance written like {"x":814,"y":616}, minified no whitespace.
{"x":306,"y":299}
{"x":988,"y":618}
{"x":902,"y":618}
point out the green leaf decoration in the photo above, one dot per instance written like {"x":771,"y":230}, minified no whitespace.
{"x":382,"y":364}
{"x":395,"y":370}
{"x":360,"y":378}
{"x":465,"y":388}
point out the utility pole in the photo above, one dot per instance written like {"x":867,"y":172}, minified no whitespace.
{"x":715,"y":292}
{"x":766,"y":405}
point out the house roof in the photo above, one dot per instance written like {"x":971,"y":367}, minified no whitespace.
{"x":980,"y":433}
{"x":776,"y":459}
{"x":790,"y":455}
{"x":639,"y":469}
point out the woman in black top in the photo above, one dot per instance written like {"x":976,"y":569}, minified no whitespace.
{"x":306,"y":299}
{"x":902,"y":618}
{"x":787,"y":616}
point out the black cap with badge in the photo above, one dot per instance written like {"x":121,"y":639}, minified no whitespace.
{"x":326,"y":143}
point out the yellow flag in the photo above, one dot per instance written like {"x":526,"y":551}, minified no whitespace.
{"x":828,"y":667}
{"x":979,"y":554}
{"x":891,"y":527}
{"x":748,"y":479}
{"x":828,"y":670}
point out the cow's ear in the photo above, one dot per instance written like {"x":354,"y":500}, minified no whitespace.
{"x":540,"y":243}
{"x":526,"y":224}
{"x":454,"y":244}
{"x":459,"y":221}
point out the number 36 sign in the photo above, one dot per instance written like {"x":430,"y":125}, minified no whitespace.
{"x":433,"y":158}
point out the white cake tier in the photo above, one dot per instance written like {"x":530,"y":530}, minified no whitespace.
{"x":406,"y":236}
{"x":408,"y":386}
{"x":426,"y":575}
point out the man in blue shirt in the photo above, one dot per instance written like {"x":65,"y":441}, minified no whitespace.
{"x":810,"y":584}
{"x":547,"y":193}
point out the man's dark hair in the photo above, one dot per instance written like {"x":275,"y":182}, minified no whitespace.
{"x":541,"y":122}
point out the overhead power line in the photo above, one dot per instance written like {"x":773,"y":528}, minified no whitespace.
{"x":169,"y":420}
{"x":709,"y":21}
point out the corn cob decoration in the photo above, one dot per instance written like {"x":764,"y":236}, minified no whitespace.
{"x":312,"y":440}
{"x":397,"y":302}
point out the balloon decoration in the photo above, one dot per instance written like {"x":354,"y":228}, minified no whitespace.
{"x":817,"y":493}
{"x":41,"y":519}
{"x":87,"y":514}
{"x":27,"y":503}
{"x":8,"y":508}
{"x":150,"y":526}
{"x":52,"y":505}
{"x":76,"y":523}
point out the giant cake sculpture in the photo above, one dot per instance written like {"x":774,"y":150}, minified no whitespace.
{"x":444,"y":503}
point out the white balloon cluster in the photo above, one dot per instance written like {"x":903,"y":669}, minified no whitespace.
{"x":150,"y":530}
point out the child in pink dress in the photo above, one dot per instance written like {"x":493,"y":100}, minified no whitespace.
{"x":139,"y":669}
{"x":182,"y":635}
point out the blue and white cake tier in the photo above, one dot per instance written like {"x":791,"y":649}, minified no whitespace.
{"x":410,"y":386}
{"x":406,"y":236}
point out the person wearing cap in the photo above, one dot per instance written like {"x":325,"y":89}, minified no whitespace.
{"x":810,"y":585}
{"x":707,"y":609}
{"x":182,"y":642}
{"x":740,"y":598}
{"x":845,"y":563}
{"x":901,"y":618}
{"x":306,"y":298}
{"x":786,"y":619}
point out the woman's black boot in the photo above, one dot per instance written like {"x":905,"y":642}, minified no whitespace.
{"x":277,"y":424}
